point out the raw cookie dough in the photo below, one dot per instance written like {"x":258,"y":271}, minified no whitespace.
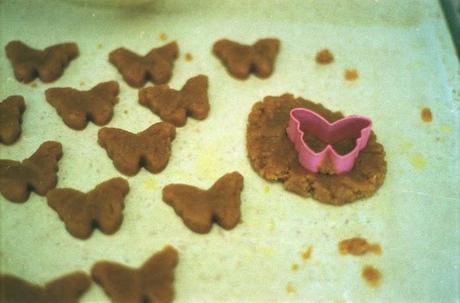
{"x":47,"y":64}
{"x":102,"y":207}
{"x":156,"y":66}
{"x":242,"y":60}
{"x":174,"y":106}
{"x":272,"y":155}
{"x":37,"y":173}
{"x":77,"y":107}
{"x":11,"y":110}
{"x":152,"y":282}
{"x":129,"y":152}
{"x":66,"y":289}
{"x":200,"y":208}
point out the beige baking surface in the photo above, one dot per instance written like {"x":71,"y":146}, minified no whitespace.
{"x":405,"y":61}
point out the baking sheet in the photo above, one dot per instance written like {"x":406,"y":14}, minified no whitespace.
{"x":406,"y":61}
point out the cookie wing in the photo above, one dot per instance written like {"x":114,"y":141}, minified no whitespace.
{"x":103,"y":98}
{"x":191,"y":204}
{"x":11,"y":110}
{"x":130,"y":65}
{"x":67,"y":289}
{"x":55,"y":60}
{"x":226,"y":192}
{"x":15,"y":290}
{"x":107,"y":200}
{"x":266,"y":51}
{"x":157,"y":150}
{"x":70,"y":105}
{"x":73,"y":209}
{"x":236,"y":57}
{"x":121,"y":147}
{"x":121,"y":283}
{"x":23,"y":60}
{"x":195,"y":97}
{"x":158,"y":275}
{"x":43,"y":167}
{"x":161,"y":62}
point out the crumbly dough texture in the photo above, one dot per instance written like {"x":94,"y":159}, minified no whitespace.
{"x":47,"y":64}
{"x":102,"y":207}
{"x":129,"y":152}
{"x":273,"y":156}
{"x":156,"y":66}
{"x":66,"y":289}
{"x":242,"y":60}
{"x":78,"y":107}
{"x":174,"y":106}
{"x":200,"y":208}
{"x":37,"y":173}
{"x":11,"y":110}
{"x":152,"y":282}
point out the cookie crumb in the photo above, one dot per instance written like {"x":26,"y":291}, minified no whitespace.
{"x":34,"y":85}
{"x":163,"y":37}
{"x":295,"y":267}
{"x":426,"y":115}
{"x":306,"y":254}
{"x":188,"y":57}
{"x":99,"y":45}
{"x":371,"y":275}
{"x":358,"y":247}
{"x":82,"y":83}
{"x":324,"y":56}
{"x":125,"y":111}
{"x":351,"y":74}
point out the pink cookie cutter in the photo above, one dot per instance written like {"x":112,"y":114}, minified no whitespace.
{"x":302,"y":119}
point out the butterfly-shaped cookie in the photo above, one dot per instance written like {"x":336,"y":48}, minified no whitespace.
{"x":152,"y":282}
{"x":200,"y":208}
{"x":47,"y":64}
{"x":102,"y":207}
{"x":129,"y":152}
{"x":156,"y":66}
{"x":11,"y":110}
{"x":37,"y":173}
{"x":78,"y":107}
{"x":66,"y":289}
{"x":241,"y":60}
{"x":174,"y":106}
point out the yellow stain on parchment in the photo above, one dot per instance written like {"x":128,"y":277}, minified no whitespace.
{"x":405,"y":145}
{"x":418,"y":161}
{"x":207,"y":163}
{"x":290,"y":289}
{"x":306,"y":254}
{"x":445,"y":128}
{"x":150,"y":184}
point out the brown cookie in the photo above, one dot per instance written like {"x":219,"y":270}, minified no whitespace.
{"x":156,"y":66}
{"x":273,"y":156}
{"x":174,"y":106}
{"x":129,"y":152}
{"x":36,"y":173}
{"x":241,"y":60}
{"x":47,"y":64}
{"x":11,"y":110}
{"x":102,"y":207}
{"x":66,"y":289}
{"x":200,"y":208}
{"x":78,"y":107}
{"x":152,"y":282}
{"x":357,"y":247}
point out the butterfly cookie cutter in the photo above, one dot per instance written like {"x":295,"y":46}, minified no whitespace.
{"x":302,"y":120}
